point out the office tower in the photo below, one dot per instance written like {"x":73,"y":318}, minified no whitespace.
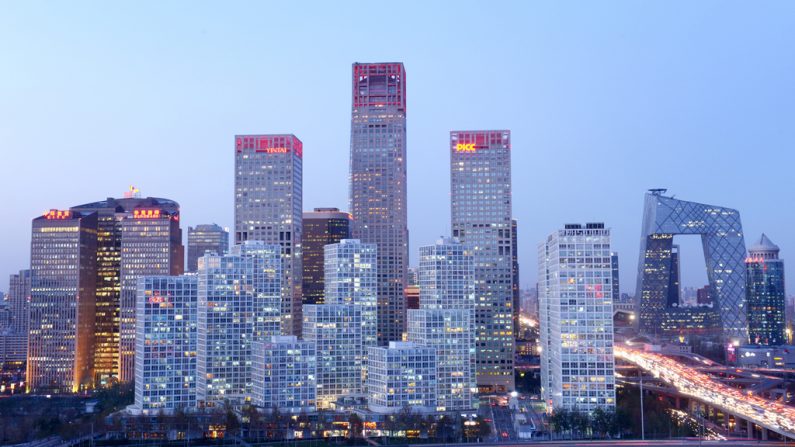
{"x":576,"y":300}
{"x":322,"y":226}
{"x":351,"y":278}
{"x":110,"y":215}
{"x":63,"y":272}
{"x":205,"y":238}
{"x":401,"y":375}
{"x":674,"y":294}
{"x":724,"y":250}
{"x":614,"y":276}
{"x":151,"y":245}
{"x":240,"y":302}
{"x":268,"y":201}
{"x":445,"y":320}
{"x":703,"y":296}
{"x":378,"y":183}
{"x":515,"y":274}
{"x":766,"y":299}
{"x":284,"y":375}
{"x":18,"y":301}
{"x":166,"y":343}
{"x":480,"y":183}
{"x":412,"y":294}
{"x":336,"y":332}
{"x":411,"y":277}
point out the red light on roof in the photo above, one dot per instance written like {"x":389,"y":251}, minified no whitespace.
{"x":58,"y":214}
{"x":147,"y":214}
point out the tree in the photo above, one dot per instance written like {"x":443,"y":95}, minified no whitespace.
{"x":355,"y":426}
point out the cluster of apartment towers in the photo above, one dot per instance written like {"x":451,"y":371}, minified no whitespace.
{"x":109,"y":300}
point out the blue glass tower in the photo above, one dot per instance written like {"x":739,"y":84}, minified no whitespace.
{"x":765,"y":293}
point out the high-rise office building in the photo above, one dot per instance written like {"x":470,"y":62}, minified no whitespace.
{"x":268,"y":201}
{"x":18,"y":301}
{"x":336,"y":331}
{"x":240,"y":302}
{"x":62,"y":302}
{"x":322,"y":226}
{"x":412,"y":293}
{"x":766,"y":299}
{"x":480,"y":168}
{"x":445,"y":321}
{"x":401,"y":375}
{"x":378,"y":200}
{"x":110,"y":215}
{"x":151,"y":245}
{"x":284,"y":375}
{"x":615,"y":278}
{"x":205,"y":238}
{"x":576,"y":318}
{"x":517,"y":295}
{"x":166,"y":343}
{"x":724,"y":250}
{"x":351,"y":278}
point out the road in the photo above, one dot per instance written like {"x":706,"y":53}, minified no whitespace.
{"x":689,"y":381}
{"x":622,"y":443}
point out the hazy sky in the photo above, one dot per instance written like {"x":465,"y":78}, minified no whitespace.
{"x":604,"y":100}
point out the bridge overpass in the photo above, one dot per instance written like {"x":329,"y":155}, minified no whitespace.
{"x":697,"y":385}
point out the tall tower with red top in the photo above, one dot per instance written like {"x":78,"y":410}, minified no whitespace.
{"x":378,"y":201}
{"x":268,"y":208}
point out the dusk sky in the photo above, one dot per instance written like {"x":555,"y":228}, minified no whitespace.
{"x":604,"y":100}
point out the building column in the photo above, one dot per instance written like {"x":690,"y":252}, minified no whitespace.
{"x":764,"y":433}
{"x":750,"y":426}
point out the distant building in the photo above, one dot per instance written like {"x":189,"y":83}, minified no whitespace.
{"x":480,"y":168}
{"x":336,"y":332}
{"x":658,"y":270}
{"x":766,"y":299}
{"x":412,"y":297}
{"x":205,"y":238}
{"x":703,"y":296}
{"x":111,"y":247}
{"x":322,"y":226}
{"x":378,"y":183}
{"x":576,"y":318}
{"x":239,"y":303}
{"x":63,"y":258}
{"x":284,"y":375}
{"x":517,"y":294}
{"x":18,"y":301}
{"x":411,"y":277}
{"x":151,"y":245}
{"x":401,"y":375}
{"x":614,"y":276}
{"x":268,"y":208}
{"x":166,"y":343}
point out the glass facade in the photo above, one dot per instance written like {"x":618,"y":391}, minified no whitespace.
{"x":268,"y":208}
{"x":284,"y":375}
{"x":166,"y":343}
{"x":63,"y":271}
{"x":480,"y":184}
{"x":322,"y":226}
{"x":239,"y":303}
{"x":576,"y":318}
{"x":378,"y":200}
{"x":724,"y":252}
{"x":765,"y":294}
{"x":205,"y":238}
{"x":401,"y":375}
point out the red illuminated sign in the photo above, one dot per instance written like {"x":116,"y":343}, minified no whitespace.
{"x":146,"y":214}
{"x":58,"y":215}
{"x":157,"y":299}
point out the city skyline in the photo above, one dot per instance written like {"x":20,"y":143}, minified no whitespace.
{"x":693,"y":121}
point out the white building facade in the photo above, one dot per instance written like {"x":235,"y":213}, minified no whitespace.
{"x":401,"y":375}
{"x":284,"y":375}
{"x":576,"y":318}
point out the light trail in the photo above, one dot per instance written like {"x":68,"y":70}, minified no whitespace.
{"x":691,"y":382}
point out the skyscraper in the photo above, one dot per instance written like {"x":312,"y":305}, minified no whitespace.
{"x":766,"y":298}
{"x":166,"y":342}
{"x":18,"y":300}
{"x":204,"y":238}
{"x":378,"y":200}
{"x":239,"y":303}
{"x":62,"y":303}
{"x":615,"y":277}
{"x":445,"y":321}
{"x":724,"y":250}
{"x":110,"y":215}
{"x":515,"y":274}
{"x":268,"y":201}
{"x":322,"y":226}
{"x":401,"y":375}
{"x":576,"y":318}
{"x":284,"y":375}
{"x":151,"y":245}
{"x":480,"y":183}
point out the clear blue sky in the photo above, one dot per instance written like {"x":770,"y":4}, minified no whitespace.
{"x":604,"y":99}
